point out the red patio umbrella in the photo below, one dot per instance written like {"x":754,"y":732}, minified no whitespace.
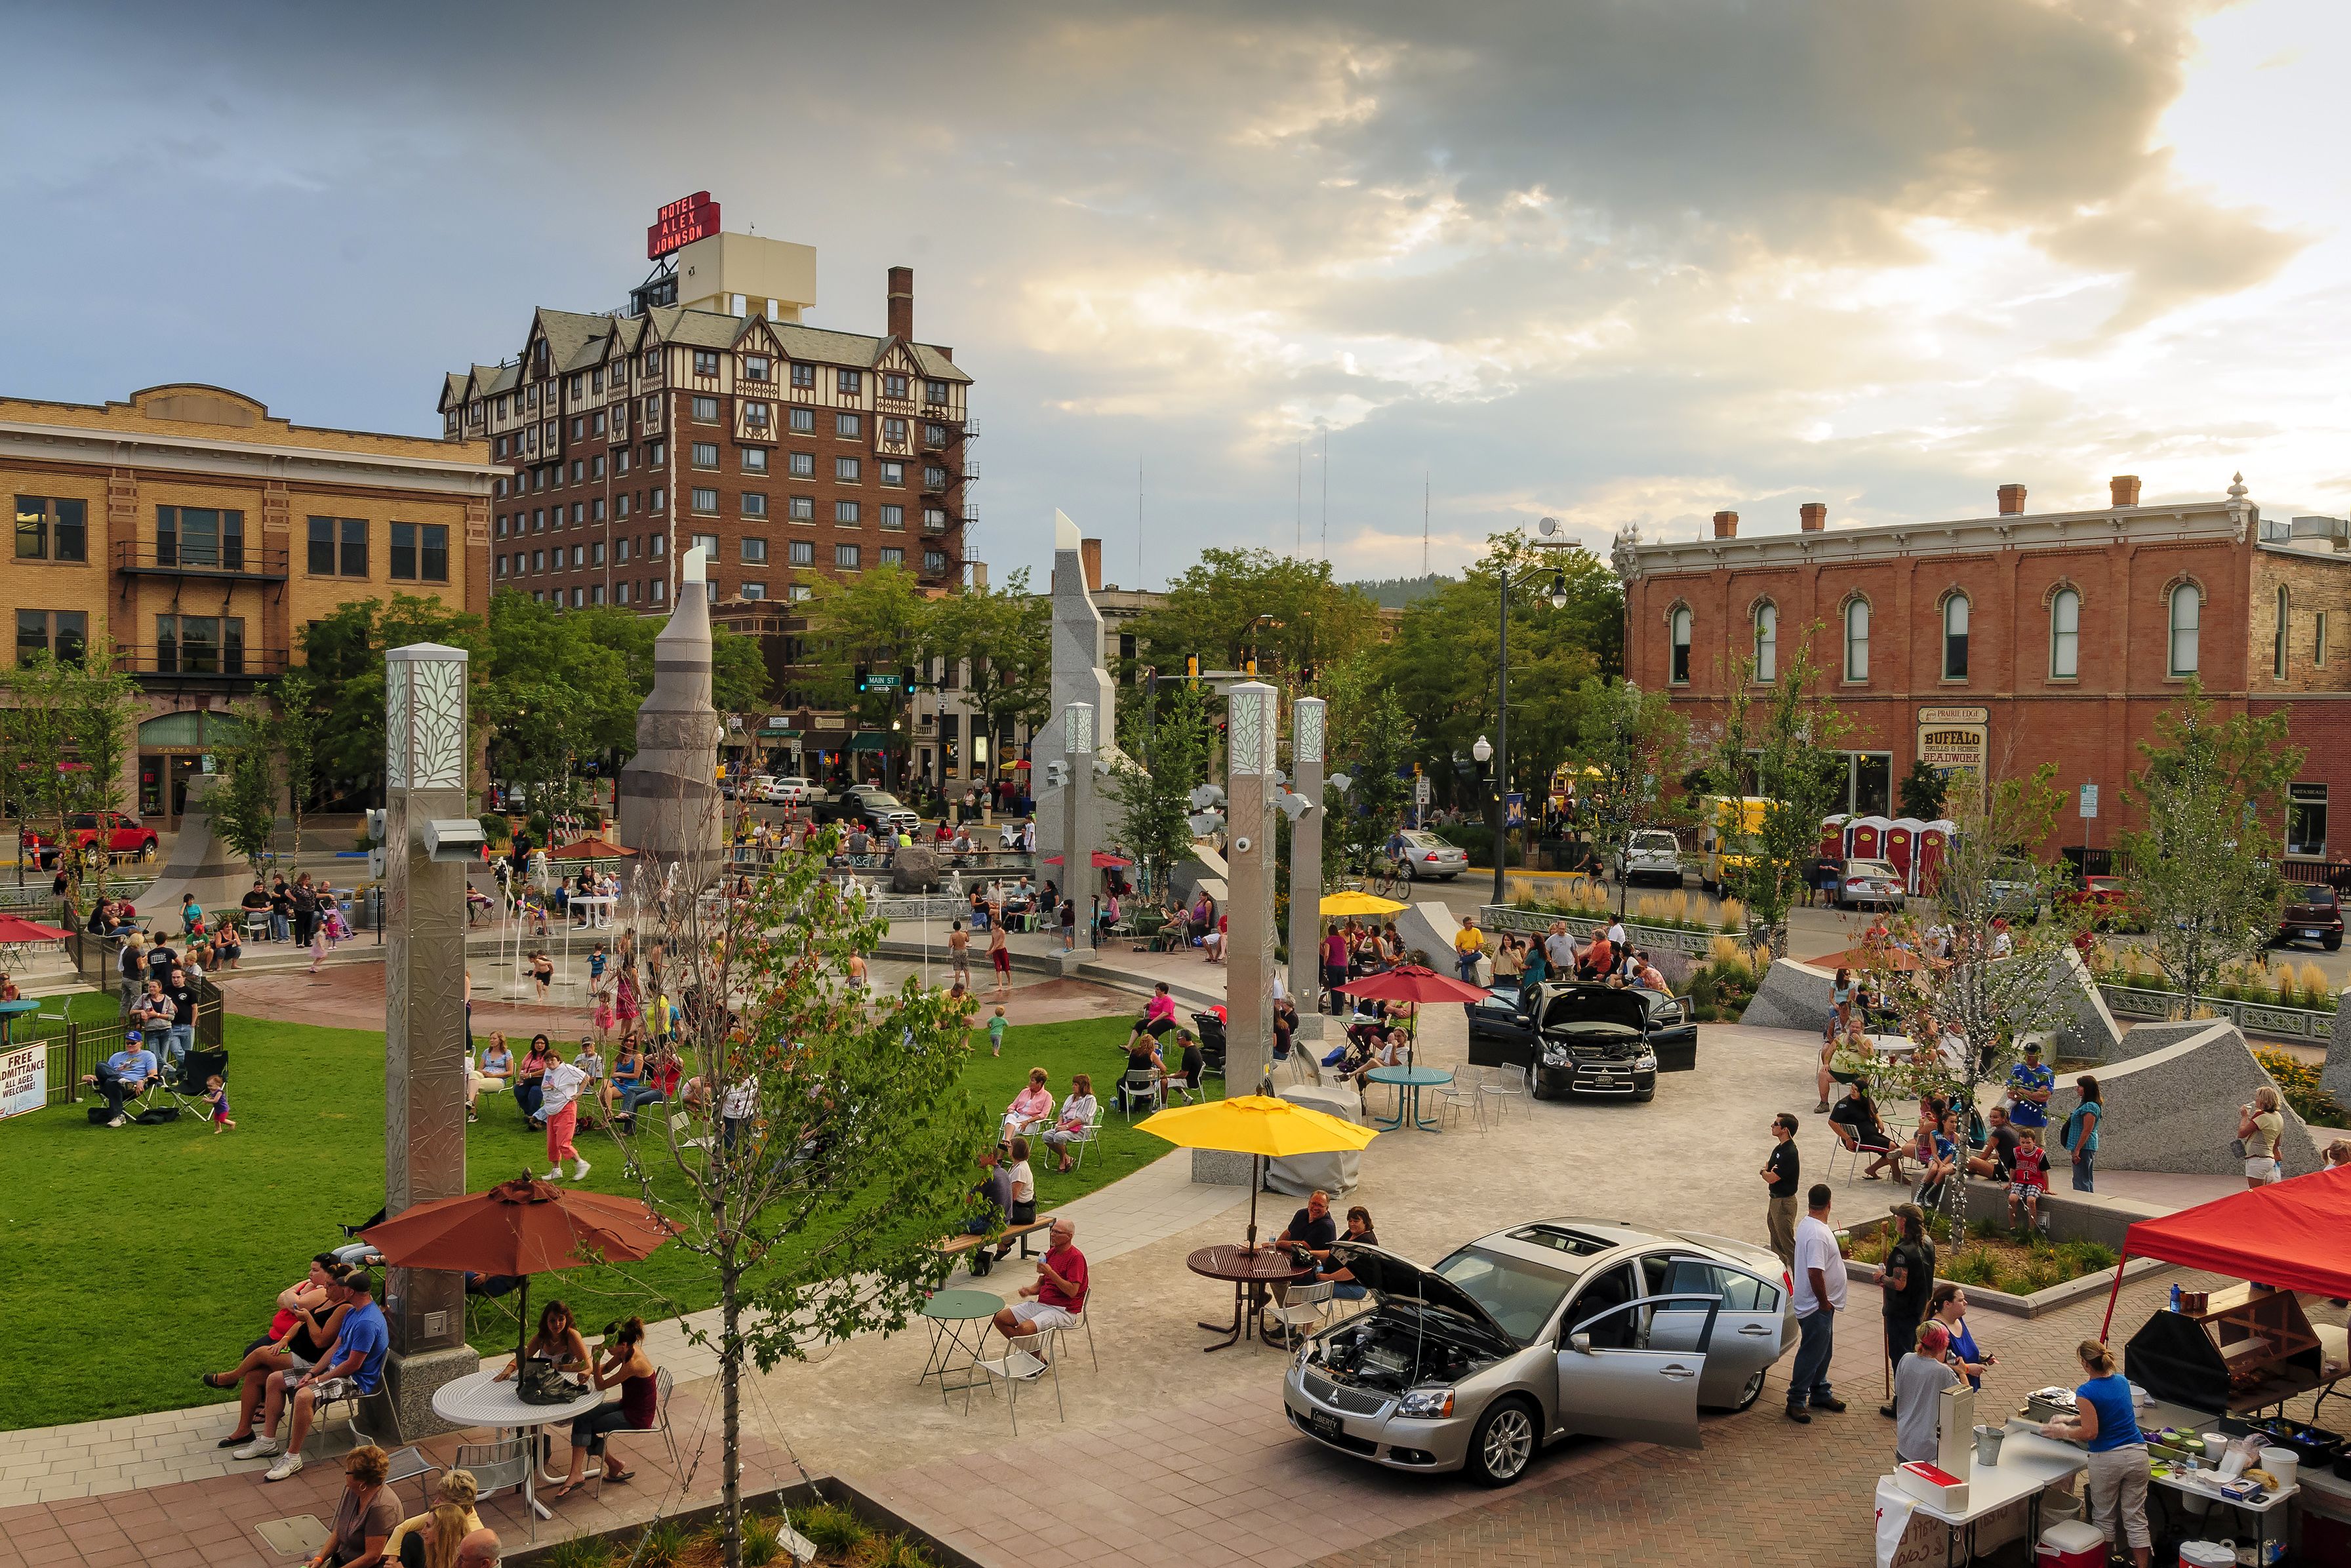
{"x":522,"y":1227}
{"x":14,"y":929}
{"x":1412,"y":982}
{"x":591,"y":848}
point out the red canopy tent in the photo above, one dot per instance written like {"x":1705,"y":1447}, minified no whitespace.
{"x":2294,"y":1235}
{"x":1102,"y":861}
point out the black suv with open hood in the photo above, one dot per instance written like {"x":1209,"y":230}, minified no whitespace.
{"x":1586,"y":1039}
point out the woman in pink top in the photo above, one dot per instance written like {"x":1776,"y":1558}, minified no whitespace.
{"x":1158,"y":1016}
{"x":1031,"y":1108}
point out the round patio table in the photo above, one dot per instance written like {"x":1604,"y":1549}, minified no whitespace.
{"x":949,"y":1313}
{"x":1253,"y":1274}
{"x":1409,"y":1082}
{"x":478,"y":1399}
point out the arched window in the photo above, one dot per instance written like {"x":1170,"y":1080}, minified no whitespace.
{"x":2187,"y":611}
{"x":1767,"y":642}
{"x":1856,"y":640}
{"x":1680,"y":635}
{"x":2277,"y":642}
{"x":2065,"y":635}
{"x":1955,"y":637}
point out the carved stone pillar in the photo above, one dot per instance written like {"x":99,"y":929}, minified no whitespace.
{"x":1253,"y":710}
{"x":1079,"y":816}
{"x":425,"y":754}
{"x":1306,"y":728}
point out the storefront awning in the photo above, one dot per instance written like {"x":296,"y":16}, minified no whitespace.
{"x":870,"y":742}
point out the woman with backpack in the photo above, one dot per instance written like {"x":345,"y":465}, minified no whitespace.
{"x":2080,"y":1136}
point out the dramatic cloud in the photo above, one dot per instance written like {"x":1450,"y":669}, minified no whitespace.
{"x":1611,"y":261}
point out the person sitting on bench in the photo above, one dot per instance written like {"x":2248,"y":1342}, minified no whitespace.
{"x":353,"y":1364}
{"x":126,"y":1075}
{"x":994,"y":1189}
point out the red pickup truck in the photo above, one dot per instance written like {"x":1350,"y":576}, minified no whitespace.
{"x":122,"y":835}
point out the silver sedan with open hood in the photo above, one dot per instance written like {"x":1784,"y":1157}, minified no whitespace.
{"x":1558,"y":1327}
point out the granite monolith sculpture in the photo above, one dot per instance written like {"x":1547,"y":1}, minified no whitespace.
{"x":1078,"y":677}
{"x":669,"y":804}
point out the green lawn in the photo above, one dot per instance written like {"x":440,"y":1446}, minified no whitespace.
{"x":133,"y":1259}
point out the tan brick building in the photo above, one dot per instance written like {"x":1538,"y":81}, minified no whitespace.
{"x":2021,"y":638}
{"x":201,"y":533}
{"x":707,"y":411}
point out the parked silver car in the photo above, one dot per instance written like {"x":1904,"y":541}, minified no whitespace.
{"x":1420,"y":856}
{"x":1557,"y":1327}
{"x":1651,"y":854}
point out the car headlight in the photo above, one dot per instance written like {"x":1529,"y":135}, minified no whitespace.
{"x":1647,"y":1063}
{"x":1426,"y":1403}
{"x":1554,"y":1059}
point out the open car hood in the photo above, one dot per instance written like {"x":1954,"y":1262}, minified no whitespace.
{"x":1566,"y":1007}
{"x":1384,"y":1274}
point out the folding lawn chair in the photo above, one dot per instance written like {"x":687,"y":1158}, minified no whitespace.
{"x":187,"y":1088}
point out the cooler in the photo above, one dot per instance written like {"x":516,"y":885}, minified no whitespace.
{"x":2071,"y":1544}
{"x":2324,"y":1506}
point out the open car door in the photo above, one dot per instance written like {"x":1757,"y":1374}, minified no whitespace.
{"x":1499,"y":1034}
{"x":1616,"y":1380}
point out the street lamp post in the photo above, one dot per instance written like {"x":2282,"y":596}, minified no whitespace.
{"x":1552,"y":539}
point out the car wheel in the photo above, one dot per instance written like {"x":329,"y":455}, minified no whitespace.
{"x":2333,"y":944}
{"x":1503,"y":1444}
{"x":147,"y":851}
{"x":1748,"y":1394}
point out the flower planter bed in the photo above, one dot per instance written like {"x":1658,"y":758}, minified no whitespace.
{"x":2009,"y":1258}
{"x":846,"y":1527}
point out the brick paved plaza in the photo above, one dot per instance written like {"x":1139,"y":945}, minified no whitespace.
{"x":1168,"y":1455}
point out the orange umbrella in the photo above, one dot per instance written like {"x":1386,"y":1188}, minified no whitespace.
{"x":522,"y":1226}
{"x":590,"y":849}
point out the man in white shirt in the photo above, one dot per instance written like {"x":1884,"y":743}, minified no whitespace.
{"x":1559,"y":947}
{"x":559,"y":1109}
{"x":1616,"y":940}
{"x":1819,"y":1279}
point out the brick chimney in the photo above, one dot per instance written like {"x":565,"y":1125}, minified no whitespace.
{"x":1089,"y":557}
{"x":2126,"y":489}
{"x":902,"y":302}
{"x":1726,"y":525}
{"x":1813,"y":517}
{"x":2012,"y":500}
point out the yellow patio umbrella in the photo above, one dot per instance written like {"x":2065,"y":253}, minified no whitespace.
{"x":1353,"y":903}
{"x":1258,"y":1126}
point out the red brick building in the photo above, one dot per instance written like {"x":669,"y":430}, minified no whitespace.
{"x":786,"y":450}
{"x":2007,"y":640}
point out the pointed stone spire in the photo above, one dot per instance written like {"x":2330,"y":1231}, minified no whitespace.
{"x":669,"y":789}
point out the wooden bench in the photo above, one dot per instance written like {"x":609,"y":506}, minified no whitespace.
{"x":984,"y":1260}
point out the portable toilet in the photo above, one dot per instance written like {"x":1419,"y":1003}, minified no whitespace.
{"x":1865,"y":839}
{"x":1934,"y":843}
{"x":1899,"y":845}
{"x":1833,"y":836}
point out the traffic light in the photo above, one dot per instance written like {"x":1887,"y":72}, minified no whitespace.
{"x":1192,"y":666}
{"x":1248,"y":666}
{"x":864,"y":679}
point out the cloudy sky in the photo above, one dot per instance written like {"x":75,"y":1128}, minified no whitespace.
{"x":1618,"y":260}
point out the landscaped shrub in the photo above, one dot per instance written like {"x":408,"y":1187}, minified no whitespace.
{"x":830,"y":1526}
{"x":2298,"y":1080}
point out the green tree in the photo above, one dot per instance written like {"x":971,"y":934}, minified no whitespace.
{"x":1782,"y":747}
{"x":1003,"y":637}
{"x":2003,"y":978}
{"x":1922,"y":792}
{"x":2203,"y":869}
{"x":1154,"y":798}
{"x":244,"y":802}
{"x":68,"y":730}
{"x":1634,"y":747}
{"x":1290,"y":613}
{"x":1447,"y":647}
{"x":1368,"y":738}
{"x":345,"y":649}
{"x":880,"y":621}
{"x":738,"y":676}
{"x":851,"y":1147}
{"x":301,"y":702}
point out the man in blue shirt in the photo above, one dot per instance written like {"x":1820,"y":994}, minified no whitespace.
{"x":352,"y":1364}
{"x":125,"y":1075}
{"x":2030,"y":1084}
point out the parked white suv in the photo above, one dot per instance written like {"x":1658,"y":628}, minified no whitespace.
{"x":1651,"y":855}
